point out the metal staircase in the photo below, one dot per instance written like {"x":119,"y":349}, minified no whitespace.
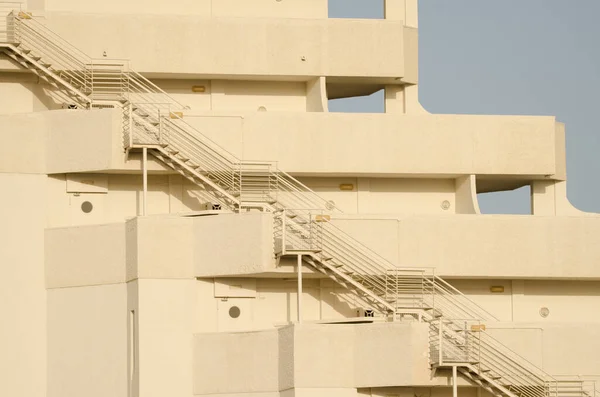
{"x":302,"y":220}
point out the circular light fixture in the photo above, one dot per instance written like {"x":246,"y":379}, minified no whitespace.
{"x":445,"y":205}
{"x":234,"y":312}
{"x":87,"y":207}
{"x":330,"y":205}
{"x":262,"y":109}
{"x":544,"y":312}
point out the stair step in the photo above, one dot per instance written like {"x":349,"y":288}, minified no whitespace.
{"x":436,"y":320}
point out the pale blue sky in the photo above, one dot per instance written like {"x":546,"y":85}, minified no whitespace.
{"x":537,"y":57}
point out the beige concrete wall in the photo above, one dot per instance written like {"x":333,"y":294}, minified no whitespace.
{"x":233,"y":244}
{"x":316,"y":95}
{"x":348,"y":144}
{"x":190,"y":45}
{"x":263,"y":96}
{"x":164,"y":248}
{"x":85,"y":255}
{"x":569,"y":301}
{"x":21,"y":97}
{"x":389,"y":144}
{"x":87,"y":341}
{"x":23,"y":150}
{"x":560,"y":297}
{"x":387,"y":195}
{"x":466,"y":195}
{"x":236,"y":362}
{"x":360,"y":355}
{"x":120,"y":200}
{"x":65,"y":141}
{"x":204,"y":246}
{"x":161,"y":247}
{"x":22,"y":294}
{"x":265,"y":303}
{"x":217,"y":8}
{"x":319,"y":357}
{"x":165,"y":331}
{"x":79,"y":141}
{"x":544,"y":346}
{"x":485,"y":246}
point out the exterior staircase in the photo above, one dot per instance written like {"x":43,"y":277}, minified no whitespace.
{"x":154,"y":121}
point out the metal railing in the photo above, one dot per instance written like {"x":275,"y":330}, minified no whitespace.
{"x":466,"y":343}
{"x":302,"y":223}
{"x":7,"y":20}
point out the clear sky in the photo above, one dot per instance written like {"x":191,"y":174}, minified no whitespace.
{"x":535,"y":57}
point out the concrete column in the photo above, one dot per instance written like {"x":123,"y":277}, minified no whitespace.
{"x":299,"y":288}
{"x":454,"y":382}
{"x":144,"y":180}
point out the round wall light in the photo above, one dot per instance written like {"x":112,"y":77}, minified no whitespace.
{"x":87,"y":207}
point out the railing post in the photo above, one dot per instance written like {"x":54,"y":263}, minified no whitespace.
{"x":454,"y":382}
{"x":145,"y":180}
{"x":310,"y":230}
{"x":299,"y":288}
{"x":433,"y":291}
{"x":131,"y":126}
{"x":91,"y":79}
{"x":440,"y":341}
{"x":479,"y":348}
{"x":467,"y":347}
{"x":283,"y":218}
{"x":241,"y":181}
{"x":160,"y":125}
{"x":11,"y":36}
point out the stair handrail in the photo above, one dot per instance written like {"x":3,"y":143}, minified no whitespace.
{"x":149,"y":92}
{"x":67,"y":54}
{"x":503,"y":361}
{"x":371,"y":267}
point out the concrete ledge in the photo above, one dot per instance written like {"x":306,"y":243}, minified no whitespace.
{"x":85,"y":255}
{"x":312,"y":356}
{"x":486,"y":246}
{"x":220,"y":47}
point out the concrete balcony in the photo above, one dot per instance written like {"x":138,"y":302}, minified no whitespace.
{"x":373,"y":51}
{"x":459,"y":246}
{"x":308,"y":144}
{"x":486,"y":246}
{"x":386,"y":145}
{"x":329,"y":359}
{"x":165,"y":247}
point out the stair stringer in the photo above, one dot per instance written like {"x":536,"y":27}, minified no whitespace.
{"x":348,"y":282}
{"x":468,"y":370}
{"x":194,"y":176}
{"x":12,"y":51}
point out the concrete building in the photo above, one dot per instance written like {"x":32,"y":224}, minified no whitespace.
{"x":204,"y":227}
